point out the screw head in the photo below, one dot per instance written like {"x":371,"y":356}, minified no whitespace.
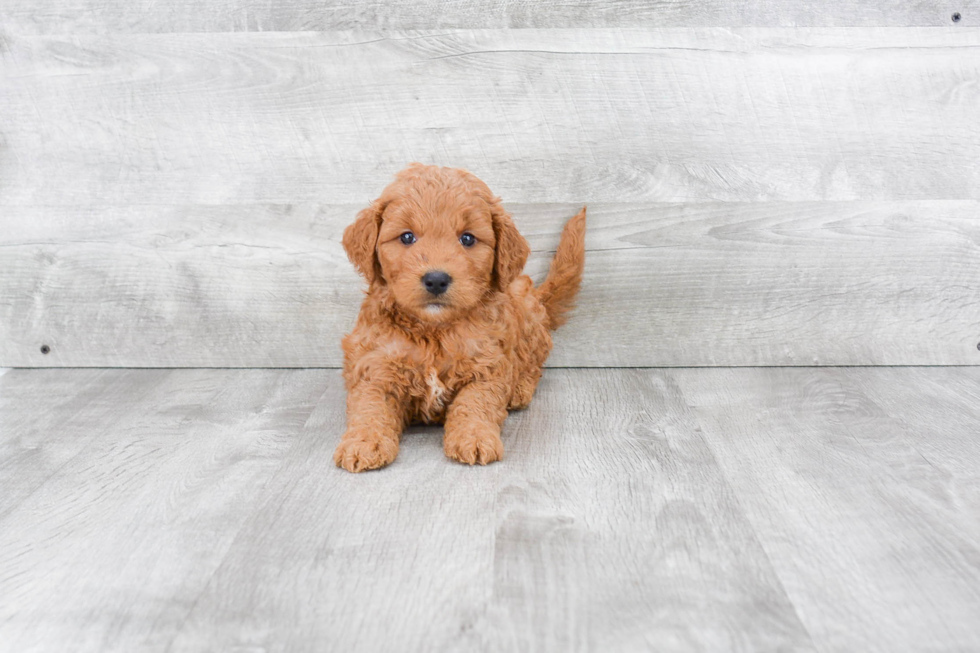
{"x":978,"y":345}
{"x":956,"y":17}
{"x":45,"y":349}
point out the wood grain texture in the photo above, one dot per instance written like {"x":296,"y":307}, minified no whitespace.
{"x":852,"y":511}
{"x":589,"y":554}
{"x":46,"y":423}
{"x":937,"y":413}
{"x":821,"y":283}
{"x":112,"y":550}
{"x":176,"y":199}
{"x":108,"y":16}
{"x":616,"y":529}
{"x":744,"y":510}
{"x":541,"y":115}
{"x":214,"y":519}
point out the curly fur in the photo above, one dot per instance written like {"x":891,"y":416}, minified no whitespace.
{"x":463,"y":358}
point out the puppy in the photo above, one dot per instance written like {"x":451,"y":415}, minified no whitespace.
{"x":449,"y":332}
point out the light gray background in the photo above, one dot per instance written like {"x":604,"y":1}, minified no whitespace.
{"x":769,"y":183}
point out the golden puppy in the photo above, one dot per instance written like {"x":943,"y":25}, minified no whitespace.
{"x":448,"y":332}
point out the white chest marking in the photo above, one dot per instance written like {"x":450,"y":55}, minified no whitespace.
{"x":436,"y":390}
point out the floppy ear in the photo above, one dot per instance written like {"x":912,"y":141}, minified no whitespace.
{"x":511,"y":250}
{"x":361,"y":241}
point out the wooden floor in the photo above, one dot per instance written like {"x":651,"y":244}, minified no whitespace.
{"x":834,"y":509}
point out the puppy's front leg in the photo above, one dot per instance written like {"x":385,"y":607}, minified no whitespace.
{"x":473,"y":423}
{"x":375,"y":421}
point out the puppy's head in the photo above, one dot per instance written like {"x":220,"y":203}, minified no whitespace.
{"x":439,"y":240}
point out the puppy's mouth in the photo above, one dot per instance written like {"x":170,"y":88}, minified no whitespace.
{"x":435,"y":307}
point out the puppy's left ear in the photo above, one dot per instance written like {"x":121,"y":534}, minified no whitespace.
{"x":361,"y":241}
{"x":511,"y":250}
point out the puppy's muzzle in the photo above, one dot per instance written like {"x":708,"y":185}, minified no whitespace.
{"x":436,"y":282}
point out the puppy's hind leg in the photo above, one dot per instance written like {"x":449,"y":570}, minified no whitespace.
{"x":524,"y":391}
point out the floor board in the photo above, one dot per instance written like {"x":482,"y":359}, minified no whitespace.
{"x":876,"y":542}
{"x":156,"y":16}
{"x":542,"y":116}
{"x":665,"y":285}
{"x":691,"y":509}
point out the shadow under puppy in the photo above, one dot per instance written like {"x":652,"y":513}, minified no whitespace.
{"x":449,"y":332}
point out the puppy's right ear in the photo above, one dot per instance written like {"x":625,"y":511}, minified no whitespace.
{"x":361,"y":241}
{"x":511,"y":251}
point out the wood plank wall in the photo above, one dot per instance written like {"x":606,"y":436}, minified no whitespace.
{"x":769,"y":183}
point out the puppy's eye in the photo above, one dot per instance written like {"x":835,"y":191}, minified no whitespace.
{"x":467,"y":239}
{"x":407,"y":238}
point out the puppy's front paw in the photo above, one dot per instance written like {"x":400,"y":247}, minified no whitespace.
{"x":477,"y":446}
{"x":357,"y":453}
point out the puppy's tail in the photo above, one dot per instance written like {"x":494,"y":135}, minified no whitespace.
{"x":558,"y":291}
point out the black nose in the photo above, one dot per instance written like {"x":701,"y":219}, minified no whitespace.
{"x":436,"y":282}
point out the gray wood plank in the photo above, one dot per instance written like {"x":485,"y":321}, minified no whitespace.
{"x":770,"y":283}
{"x":20,"y":403}
{"x":875,"y":543}
{"x":106,"y":16}
{"x":111,"y":552}
{"x":617,"y":529}
{"x":48,"y":417}
{"x":582,"y":539}
{"x":748,"y":509}
{"x":541,"y":115}
{"x":937,"y":409}
{"x":400,"y":560}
